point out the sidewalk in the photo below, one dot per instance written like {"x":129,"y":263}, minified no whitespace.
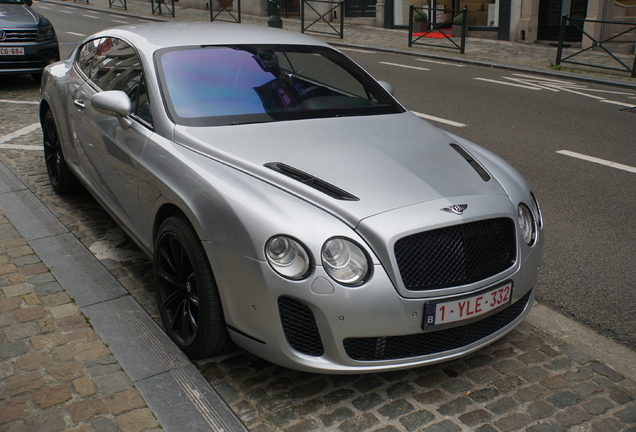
{"x":527,"y":57}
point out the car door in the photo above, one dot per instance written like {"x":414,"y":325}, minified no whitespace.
{"x":110,"y":147}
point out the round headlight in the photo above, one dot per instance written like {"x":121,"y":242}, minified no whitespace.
{"x":344,"y":261}
{"x":287,"y":257}
{"x":526,"y":224}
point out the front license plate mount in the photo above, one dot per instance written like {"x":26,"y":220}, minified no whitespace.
{"x":463,"y":310}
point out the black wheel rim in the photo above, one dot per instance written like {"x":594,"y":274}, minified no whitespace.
{"x":52,"y":151}
{"x":178,"y":293}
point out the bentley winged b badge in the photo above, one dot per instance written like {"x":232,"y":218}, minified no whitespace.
{"x":455,"y":208}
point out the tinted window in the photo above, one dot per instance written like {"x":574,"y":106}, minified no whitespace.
{"x":86,"y":56}
{"x":258,"y":83}
{"x":114,"y":65}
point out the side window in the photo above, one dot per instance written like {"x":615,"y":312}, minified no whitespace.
{"x":86,"y":56}
{"x":117,"y":67}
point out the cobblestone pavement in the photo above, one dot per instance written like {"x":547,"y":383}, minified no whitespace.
{"x":536,"y":56}
{"x":530,"y":380}
{"x":56,"y":374}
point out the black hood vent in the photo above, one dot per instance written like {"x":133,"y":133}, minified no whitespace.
{"x":311,"y":181}
{"x":472,"y":162}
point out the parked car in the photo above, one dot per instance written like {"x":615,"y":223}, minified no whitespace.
{"x":27,"y":40}
{"x":289,"y":202}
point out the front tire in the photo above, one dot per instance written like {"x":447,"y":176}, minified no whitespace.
{"x":187,"y":294}
{"x":62,"y":179}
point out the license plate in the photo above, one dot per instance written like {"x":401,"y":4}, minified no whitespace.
{"x":467,"y":308}
{"x":9,"y":51}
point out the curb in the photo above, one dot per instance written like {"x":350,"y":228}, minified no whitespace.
{"x":172,"y":387}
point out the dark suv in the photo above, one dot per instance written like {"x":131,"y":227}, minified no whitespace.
{"x":27,"y":40}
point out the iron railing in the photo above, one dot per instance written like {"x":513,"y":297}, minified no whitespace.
{"x":579,"y":24}
{"x":118,"y":4}
{"x":229,"y":15}
{"x":162,"y":3}
{"x":323,"y":17}
{"x":434,"y":27}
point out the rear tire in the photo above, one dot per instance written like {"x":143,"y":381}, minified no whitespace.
{"x":62,"y":179}
{"x":187,"y":294}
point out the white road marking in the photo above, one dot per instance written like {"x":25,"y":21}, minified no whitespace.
{"x":441,"y":62}
{"x":438,"y":119}
{"x":19,"y":147}
{"x":404,"y":66}
{"x":65,"y":11}
{"x":121,"y":22}
{"x":43,"y":7}
{"x":598,"y":161}
{"x":357,"y":50}
{"x":509,"y":84}
{"x":20,"y":132}
{"x":19,"y":102}
{"x":76,"y":34}
{"x":90,"y":16}
{"x":619,"y":103}
{"x":534,"y":83}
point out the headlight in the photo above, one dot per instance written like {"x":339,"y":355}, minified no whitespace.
{"x":344,"y":261}
{"x":526,"y":224}
{"x":287,"y":257}
{"x":45,"y":33}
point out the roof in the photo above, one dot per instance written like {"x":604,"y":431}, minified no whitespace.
{"x":153,"y":36}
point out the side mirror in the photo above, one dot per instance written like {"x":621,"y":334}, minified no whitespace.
{"x":386,"y":86}
{"x":113,"y":103}
{"x":29,"y":3}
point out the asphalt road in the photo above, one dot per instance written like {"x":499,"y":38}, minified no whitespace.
{"x":589,"y":208}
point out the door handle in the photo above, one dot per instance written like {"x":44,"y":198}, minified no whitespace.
{"x":79,"y":103}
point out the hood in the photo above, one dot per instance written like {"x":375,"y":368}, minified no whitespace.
{"x":361,"y":166}
{"x":17,"y":16}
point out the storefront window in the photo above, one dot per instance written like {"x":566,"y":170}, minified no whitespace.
{"x":484,"y":13}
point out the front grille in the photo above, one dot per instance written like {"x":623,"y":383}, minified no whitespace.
{"x":435,"y":342}
{"x":456,"y":255}
{"x":12,"y":36}
{"x":300,"y":327}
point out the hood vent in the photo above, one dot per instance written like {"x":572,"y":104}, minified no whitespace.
{"x":311,"y":181}
{"x":472,"y":162}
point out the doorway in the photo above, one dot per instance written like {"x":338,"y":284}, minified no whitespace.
{"x":360,"y":8}
{"x":550,"y":12}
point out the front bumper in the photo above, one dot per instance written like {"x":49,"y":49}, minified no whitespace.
{"x":316,"y":325}
{"x":37,"y":55}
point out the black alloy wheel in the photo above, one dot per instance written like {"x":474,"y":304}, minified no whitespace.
{"x":187,"y":294}
{"x":61,"y":178}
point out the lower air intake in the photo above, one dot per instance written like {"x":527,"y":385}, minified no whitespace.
{"x":421,"y":344}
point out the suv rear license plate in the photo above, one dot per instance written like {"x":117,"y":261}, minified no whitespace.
{"x":11,"y":51}
{"x":456,"y":311}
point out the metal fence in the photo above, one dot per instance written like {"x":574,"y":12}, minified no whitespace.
{"x":226,"y":11}
{"x":433,"y":28}
{"x":598,"y":44}
{"x":160,"y":5}
{"x":322,"y":17}
{"x":118,"y":4}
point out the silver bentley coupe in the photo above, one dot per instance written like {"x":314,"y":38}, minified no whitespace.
{"x":290,"y":204}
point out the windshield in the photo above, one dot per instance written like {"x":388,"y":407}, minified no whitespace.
{"x":206,"y":86}
{"x":12,"y":2}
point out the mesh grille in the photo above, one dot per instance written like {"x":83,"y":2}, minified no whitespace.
{"x":300,"y":327}
{"x":398,"y":347}
{"x":456,"y":255}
